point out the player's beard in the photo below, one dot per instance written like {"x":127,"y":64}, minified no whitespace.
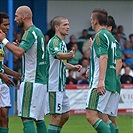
{"x":20,"y":25}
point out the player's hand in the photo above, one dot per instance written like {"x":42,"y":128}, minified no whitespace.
{"x":17,"y":76}
{"x":90,"y":42}
{"x":101,"y":87}
{"x":77,"y":68}
{"x":7,"y":80}
{"x":2,"y":35}
{"x":87,"y":73}
{"x":72,"y":52}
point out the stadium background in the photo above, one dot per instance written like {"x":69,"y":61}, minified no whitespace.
{"x":78,"y":13}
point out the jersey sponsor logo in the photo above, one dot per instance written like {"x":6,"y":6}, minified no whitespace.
{"x":42,"y":63}
{"x":56,"y":48}
{"x":1,"y":55}
{"x":113,"y":67}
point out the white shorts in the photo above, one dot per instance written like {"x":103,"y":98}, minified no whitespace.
{"x":58,"y":103}
{"x":5,"y":96}
{"x":96,"y":101}
{"x":32,"y":100}
{"x":112,"y":106}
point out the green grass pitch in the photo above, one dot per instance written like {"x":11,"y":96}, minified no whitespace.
{"x":76,"y":124}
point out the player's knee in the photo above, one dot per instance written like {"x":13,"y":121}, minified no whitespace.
{"x":91,"y":117}
{"x":55,"y":118}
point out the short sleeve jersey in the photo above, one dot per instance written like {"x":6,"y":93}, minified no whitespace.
{"x":56,"y":69}
{"x":118,"y":56}
{"x":33,"y":61}
{"x":104,"y":44}
{"x":1,"y":60}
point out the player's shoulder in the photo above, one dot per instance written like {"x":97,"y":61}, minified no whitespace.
{"x":34,"y":29}
{"x":101,"y":35}
{"x":54,"y":41}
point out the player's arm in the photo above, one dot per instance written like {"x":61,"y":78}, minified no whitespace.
{"x":73,"y":67}
{"x":102,"y":71}
{"x":102,"y":66}
{"x":15,"y":75}
{"x":14,"y":49}
{"x":118,"y":66}
{"x":17,"y":51}
{"x":65,"y":56}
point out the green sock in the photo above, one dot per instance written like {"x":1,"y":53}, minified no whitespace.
{"x":101,"y":127}
{"x":116,"y":129}
{"x":41,"y":127}
{"x":53,"y":128}
{"x":3,"y":130}
{"x":112,"y":127}
{"x":29,"y":126}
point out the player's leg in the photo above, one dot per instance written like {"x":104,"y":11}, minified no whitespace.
{"x":31,"y":97}
{"x":105,"y":118}
{"x":55,"y":110}
{"x":53,"y":126}
{"x":113,"y":119}
{"x":28,"y":125}
{"x":65,"y":110}
{"x":113,"y":109}
{"x":5,"y":105}
{"x":25,"y":96}
{"x":64,"y":118}
{"x":4,"y":117}
{"x":94,"y":104}
{"x":41,"y":108}
{"x":108,"y":110}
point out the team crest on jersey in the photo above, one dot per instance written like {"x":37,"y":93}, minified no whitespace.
{"x":1,"y":55}
{"x":64,"y":61}
{"x":55,"y":42}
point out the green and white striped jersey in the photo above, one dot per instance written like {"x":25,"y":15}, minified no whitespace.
{"x":104,"y":44}
{"x":1,"y":60}
{"x":33,"y":61}
{"x":56,"y":69}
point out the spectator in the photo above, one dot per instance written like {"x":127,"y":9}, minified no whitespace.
{"x":83,"y":79}
{"x":17,"y":60}
{"x":91,"y":32}
{"x":131,"y":39}
{"x":123,"y":38}
{"x":86,"y":54}
{"x":120,"y":30}
{"x":83,"y":38}
{"x":128,"y":54}
{"x":49,"y":34}
{"x":70,"y":79}
{"x":123,"y":72}
{"x":85,"y":65}
{"x":126,"y":78}
{"x":72,"y":40}
{"x":78,"y":55}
